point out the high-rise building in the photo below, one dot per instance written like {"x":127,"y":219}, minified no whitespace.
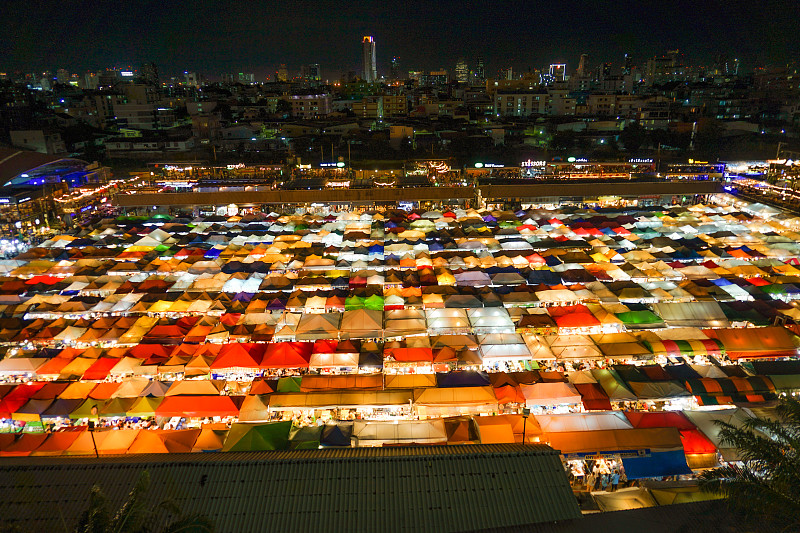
{"x":191,"y":79}
{"x":480,"y":70}
{"x":311,"y":73}
{"x":62,"y":75}
{"x":149,"y":74}
{"x":247,"y":78}
{"x":462,"y":71}
{"x":282,"y":74}
{"x":583,"y":66}
{"x":558,"y":71}
{"x":394,"y":71}
{"x":627,"y":66}
{"x":368,"y":52}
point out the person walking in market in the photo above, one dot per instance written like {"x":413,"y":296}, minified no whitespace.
{"x":614,"y":480}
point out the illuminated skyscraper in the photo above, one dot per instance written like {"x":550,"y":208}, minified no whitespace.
{"x":368,"y":50}
{"x":558,"y":71}
{"x":282,"y":74}
{"x":462,"y":71}
{"x":583,"y":66}
{"x":394,"y":73}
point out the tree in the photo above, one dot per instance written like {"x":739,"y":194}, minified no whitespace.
{"x":283,"y":108}
{"x":633,"y":137}
{"x":766,"y":488}
{"x":137,"y":515}
{"x":563,"y":140}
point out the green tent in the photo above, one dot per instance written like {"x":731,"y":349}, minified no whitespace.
{"x":374,"y":303}
{"x":84,"y":410}
{"x":245,"y":437}
{"x":748,"y":315}
{"x":612,"y":385}
{"x":640,"y":319}
{"x":117,"y":407}
{"x":352,"y":303}
{"x":289,"y":384}
{"x":305,"y":438}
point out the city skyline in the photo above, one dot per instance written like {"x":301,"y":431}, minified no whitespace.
{"x":257,"y":37}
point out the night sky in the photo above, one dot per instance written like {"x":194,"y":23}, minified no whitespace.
{"x":255,"y":36}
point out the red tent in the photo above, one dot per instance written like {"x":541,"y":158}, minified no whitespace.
{"x":573,"y":316}
{"x":694,"y":441}
{"x":197,"y":406}
{"x":100,"y":368}
{"x":17,"y":398}
{"x":593,"y":396}
{"x":660,"y":419}
{"x":146,"y":351}
{"x":238,"y":355}
{"x":287,"y":355}
{"x":410,"y":355}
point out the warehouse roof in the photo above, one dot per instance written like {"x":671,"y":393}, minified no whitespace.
{"x":446,"y":488}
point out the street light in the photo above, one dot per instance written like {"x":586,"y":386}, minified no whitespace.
{"x":525,"y":413}
{"x":94,"y":412}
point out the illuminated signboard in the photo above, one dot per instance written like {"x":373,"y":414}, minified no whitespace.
{"x":126,"y":73}
{"x":638,"y":160}
{"x":488,"y":165}
{"x":5,"y":200}
{"x":332,"y":165}
{"x":530,"y":163}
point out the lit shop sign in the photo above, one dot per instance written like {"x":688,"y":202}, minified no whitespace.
{"x":618,"y":453}
{"x":488,"y":165}
{"x":529,"y":163}
{"x":24,"y":199}
{"x":126,"y":73}
{"x":234,"y":167}
{"x":636,"y":160}
{"x":340,"y":164}
{"x":577,"y":160}
{"x":5,"y":200}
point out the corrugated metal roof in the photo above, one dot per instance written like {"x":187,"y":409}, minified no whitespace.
{"x":443,"y":488}
{"x":712,"y":516}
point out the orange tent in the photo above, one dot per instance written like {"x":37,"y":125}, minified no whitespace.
{"x":24,"y":445}
{"x":84,"y":443}
{"x":161,"y":441}
{"x":260,"y":386}
{"x":103,"y":391}
{"x":117,"y":441}
{"x":57,"y":442}
{"x":494,"y":430}
{"x":509,"y":394}
{"x":211,"y":438}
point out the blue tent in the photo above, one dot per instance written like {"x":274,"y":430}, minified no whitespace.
{"x":656,"y":464}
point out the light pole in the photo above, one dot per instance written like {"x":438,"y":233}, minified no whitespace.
{"x":91,"y":424}
{"x":525,"y":413}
